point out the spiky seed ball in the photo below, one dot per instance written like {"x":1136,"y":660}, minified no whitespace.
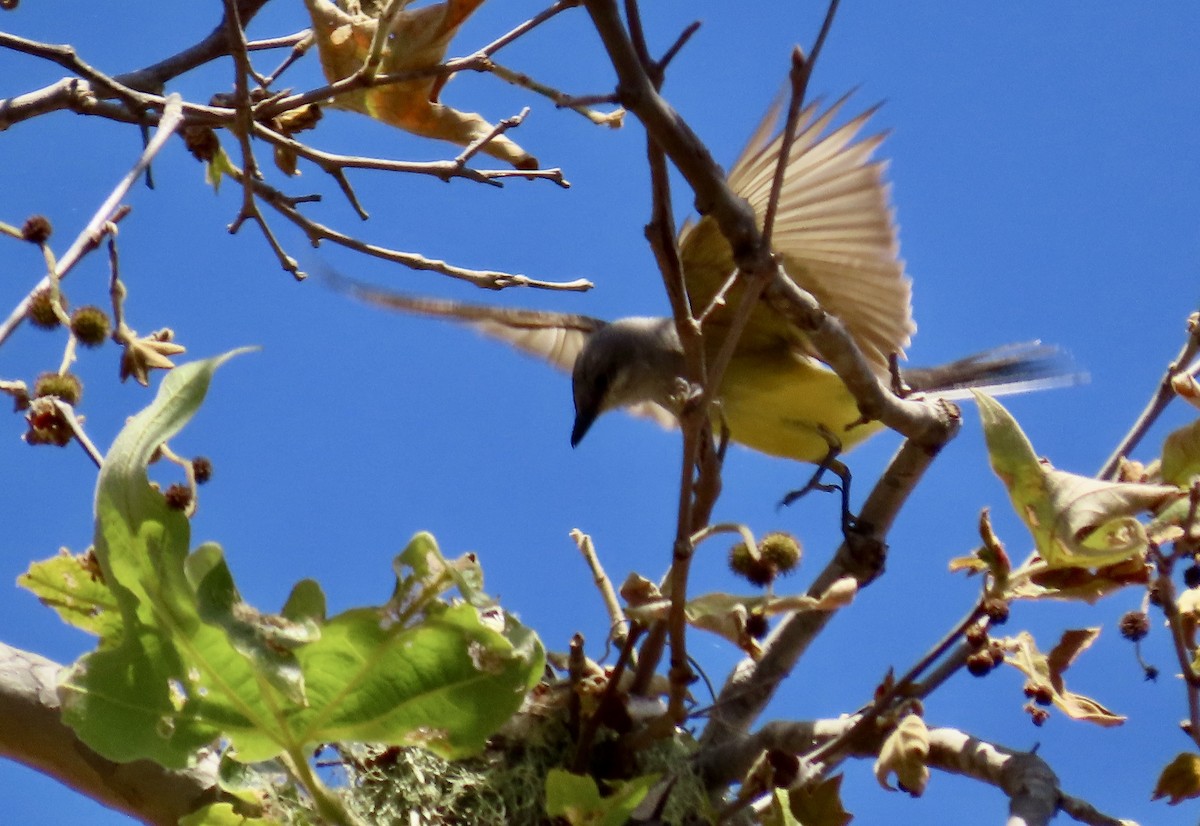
{"x":1191,"y":576}
{"x":65,"y":386}
{"x":1134,"y":625}
{"x":785,"y":767}
{"x":781,"y":551}
{"x":90,"y":325}
{"x":980,"y":664}
{"x":47,"y":425}
{"x":995,"y":650}
{"x":202,"y":469}
{"x":37,"y":229}
{"x":41,"y":310}
{"x":749,"y":566}
{"x":757,"y":625}
{"x":996,"y":610}
{"x":977,"y":637}
{"x":178,"y":497}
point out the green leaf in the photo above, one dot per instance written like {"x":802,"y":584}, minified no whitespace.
{"x":577,"y":798}
{"x":221,"y":814}
{"x":190,"y":660}
{"x":1076,"y":521}
{"x":1181,"y":455}
{"x":305,"y":602}
{"x":218,"y":168}
{"x":74,"y":587}
{"x":446,"y":684}
{"x":266,"y":640}
{"x":780,"y":811}
{"x":136,"y":697}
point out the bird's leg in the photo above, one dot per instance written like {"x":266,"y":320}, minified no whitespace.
{"x":899,"y":385}
{"x":829,"y":464}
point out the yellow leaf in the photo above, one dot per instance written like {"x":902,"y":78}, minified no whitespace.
{"x":1045,"y":673}
{"x":417,"y":39}
{"x":904,"y":753}
{"x":820,"y":805}
{"x":1180,"y":780}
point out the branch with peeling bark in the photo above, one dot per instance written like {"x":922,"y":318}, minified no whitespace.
{"x":32,"y":733}
{"x":1035,"y":796}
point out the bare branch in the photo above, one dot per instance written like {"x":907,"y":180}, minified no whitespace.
{"x":1162,"y":397}
{"x":1031,"y":786}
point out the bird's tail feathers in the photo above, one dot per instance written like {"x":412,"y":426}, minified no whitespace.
{"x":1002,"y":371}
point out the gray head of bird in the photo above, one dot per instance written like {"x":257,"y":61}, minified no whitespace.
{"x":627,"y":362}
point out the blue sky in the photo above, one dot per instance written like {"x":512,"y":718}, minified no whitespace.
{"x":1046,"y":168}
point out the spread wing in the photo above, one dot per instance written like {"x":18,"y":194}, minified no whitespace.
{"x":553,"y":337}
{"x":834,"y":229}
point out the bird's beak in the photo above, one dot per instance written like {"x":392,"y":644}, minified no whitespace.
{"x":583,"y":422}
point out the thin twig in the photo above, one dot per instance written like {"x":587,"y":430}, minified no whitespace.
{"x":612,"y":605}
{"x":1162,"y":397}
{"x":1165,"y":590}
{"x":68,"y":413}
{"x":487,"y":279}
{"x":109,"y":213}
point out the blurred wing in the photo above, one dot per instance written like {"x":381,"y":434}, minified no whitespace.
{"x":555,"y":338}
{"x":834,"y":229}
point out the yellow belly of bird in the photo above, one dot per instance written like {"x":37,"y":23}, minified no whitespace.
{"x":780,"y":402}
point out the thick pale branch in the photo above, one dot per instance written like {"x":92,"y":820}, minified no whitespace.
{"x":1032,"y":787}
{"x":32,"y":733}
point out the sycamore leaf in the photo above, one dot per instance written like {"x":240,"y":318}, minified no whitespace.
{"x":1082,"y":583}
{"x":904,"y":753}
{"x":1045,"y":673}
{"x":577,"y":799}
{"x":820,"y":805}
{"x":1180,"y":779}
{"x":189,"y":661}
{"x":779,"y":813}
{"x":74,"y":587}
{"x":221,"y":814}
{"x":417,"y":39}
{"x":1076,"y":521}
{"x":1181,"y":455}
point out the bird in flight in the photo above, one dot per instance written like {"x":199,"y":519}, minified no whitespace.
{"x":836,"y":237}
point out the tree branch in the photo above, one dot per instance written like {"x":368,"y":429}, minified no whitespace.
{"x":32,"y":733}
{"x":1032,"y":787}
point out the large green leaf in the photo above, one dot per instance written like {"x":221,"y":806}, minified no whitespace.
{"x":190,"y":661}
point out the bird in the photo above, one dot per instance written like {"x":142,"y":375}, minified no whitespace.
{"x":835,"y":235}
